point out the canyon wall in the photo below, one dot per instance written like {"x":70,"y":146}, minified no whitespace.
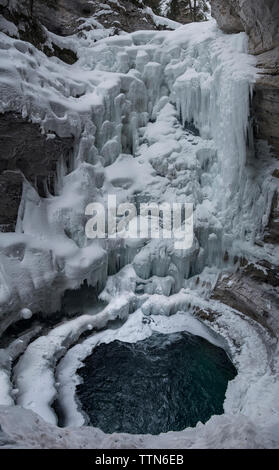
{"x":260,"y":20}
{"x":246,"y":290}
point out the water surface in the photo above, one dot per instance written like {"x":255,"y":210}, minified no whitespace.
{"x":163,"y":383}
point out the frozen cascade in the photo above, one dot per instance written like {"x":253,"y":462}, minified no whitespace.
{"x":105,"y":102}
{"x":155,"y":116}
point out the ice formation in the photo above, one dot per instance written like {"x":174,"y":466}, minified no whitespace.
{"x":155,"y":116}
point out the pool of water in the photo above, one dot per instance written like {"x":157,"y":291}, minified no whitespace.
{"x":163,"y":383}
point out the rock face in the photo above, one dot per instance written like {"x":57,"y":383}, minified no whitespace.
{"x":260,"y":20}
{"x":253,"y":291}
{"x":63,"y":17}
{"x":265,"y":107}
{"x":66,"y":17}
{"x":226,"y":16}
{"x":26,"y":154}
{"x":272,"y":229}
{"x":19,"y":20}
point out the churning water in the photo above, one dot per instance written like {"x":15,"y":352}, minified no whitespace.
{"x":163,"y":383}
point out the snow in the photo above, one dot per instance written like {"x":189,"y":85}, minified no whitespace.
{"x":34,"y":366}
{"x":116,"y":2}
{"x":5,"y":384}
{"x":156,"y":116}
{"x":161,"y":20}
{"x":8,"y":27}
{"x":165,"y":6}
{"x":7,"y":357}
{"x":26,"y":313}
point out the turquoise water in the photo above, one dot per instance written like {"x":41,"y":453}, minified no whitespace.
{"x":164,"y":383}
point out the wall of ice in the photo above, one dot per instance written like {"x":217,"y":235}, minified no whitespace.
{"x":106,"y":101}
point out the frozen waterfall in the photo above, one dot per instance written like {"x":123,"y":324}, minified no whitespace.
{"x":156,"y":116}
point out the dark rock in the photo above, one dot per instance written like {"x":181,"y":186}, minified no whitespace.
{"x":26,"y":153}
{"x":272,"y":229}
{"x":206,"y":314}
{"x":265,"y":109}
{"x":243,"y":261}
{"x":31,"y":30}
{"x":67,"y":55}
{"x":10,"y":191}
{"x":128,"y":16}
{"x":263,"y":271}
{"x":258,"y":18}
{"x":253,"y":291}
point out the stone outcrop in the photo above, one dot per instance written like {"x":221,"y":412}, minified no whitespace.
{"x":260,"y":20}
{"x":266,"y":108}
{"x":26,"y":154}
{"x":253,"y":291}
{"x":64,"y":17}
{"x":272,"y":229}
{"x":28,"y":27}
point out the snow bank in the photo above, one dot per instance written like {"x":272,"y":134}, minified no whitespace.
{"x":34,"y":377}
